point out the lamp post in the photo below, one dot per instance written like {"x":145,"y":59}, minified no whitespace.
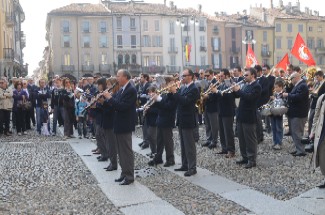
{"x":195,"y":22}
{"x":248,"y":41}
{"x":182,"y":24}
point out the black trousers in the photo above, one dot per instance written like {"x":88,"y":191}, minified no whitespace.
{"x":165,"y":141}
{"x":20,"y":120}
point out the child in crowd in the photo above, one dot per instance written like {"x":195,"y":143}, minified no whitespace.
{"x":80,"y":104}
{"x":45,"y":119}
{"x":277,"y":121}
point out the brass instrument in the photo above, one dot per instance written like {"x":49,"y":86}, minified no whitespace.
{"x":229,"y":89}
{"x":201,"y":101}
{"x":165,"y":89}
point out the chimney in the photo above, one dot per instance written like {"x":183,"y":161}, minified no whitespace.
{"x":238,"y":13}
{"x":289,"y":5}
{"x":165,"y":2}
{"x":245,"y":12}
{"x":216,"y":14}
{"x":171,"y":4}
{"x":263,"y":15}
{"x":280,"y":3}
{"x":260,"y":5}
{"x":271,"y":4}
{"x":310,"y":12}
{"x":298,"y":5}
{"x":306,"y":10}
{"x":199,"y":7}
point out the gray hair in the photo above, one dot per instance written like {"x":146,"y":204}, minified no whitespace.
{"x":126,"y":73}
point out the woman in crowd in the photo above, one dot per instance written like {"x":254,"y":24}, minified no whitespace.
{"x":27,"y":111}
{"x":68,"y":105}
{"x":5,"y":107}
{"x":20,"y":97}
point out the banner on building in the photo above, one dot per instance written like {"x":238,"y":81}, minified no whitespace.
{"x":251,"y":60}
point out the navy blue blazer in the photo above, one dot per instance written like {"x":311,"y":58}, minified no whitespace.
{"x":186,"y":110}
{"x":151,"y":115}
{"x":298,"y":101}
{"x":40,"y":98}
{"x":249,"y":96}
{"x":167,"y":111}
{"x":265,"y":93}
{"x":226,"y":102}
{"x":125,"y":109}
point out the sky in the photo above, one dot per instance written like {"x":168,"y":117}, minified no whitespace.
{"x":36,"y":12}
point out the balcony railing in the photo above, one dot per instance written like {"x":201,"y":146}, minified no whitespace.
{"x":173,"y":50}
{"x":105,"y":67}
{"x":88,"y":67}
{"x":10,"y":20}
{"x":67,"y":68}
{"x":266,"y":54}
{"x":320,"y":50}
{"x":203,"y":48}
{"x":234,"y":50}
{"x":202,"y":28}
{"x":215,"y":48}
{"x":173,"y":69}
{"x":8,"y":53}
{"x":153,"y":69}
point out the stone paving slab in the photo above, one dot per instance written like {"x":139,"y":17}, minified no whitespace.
{"x":159,"y":208}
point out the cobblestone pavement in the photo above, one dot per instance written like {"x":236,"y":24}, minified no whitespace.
{"x":39,"y":175}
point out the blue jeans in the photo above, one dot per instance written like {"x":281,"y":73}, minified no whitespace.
{"x":277,"y":129}
{"x":56,"y":112}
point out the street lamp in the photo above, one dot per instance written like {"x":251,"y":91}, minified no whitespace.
{"x":195,"y":22}
{"x":182,"y":24}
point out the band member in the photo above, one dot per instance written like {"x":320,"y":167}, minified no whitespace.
{"x":211,"y":113}
{"x":270,"y":81}
{"x":68,"y":105}
{"x":318,"y":132}
{"x":57,"y":104}
{"x":247,"y":118}
{"x":166,"y":105}
{"x":227,"y":107}
{"x":187,"y":122}
{"x":298,"y":111}
{"x":123,"y":102}
{"x":237,"y":74}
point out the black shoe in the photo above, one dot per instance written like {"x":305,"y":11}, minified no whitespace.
{"x":212,"y":146}
{"x":222,"y":152}
{"x":299,"y":154}
{"x":287,"y":134}
{"x":110,"y":168}
{"x":309,"y":148}
{"x":168,"y":164}
{"x":190,"y":172}
{"x":120,"y":179}
{"x":250,"y":165}
{"x":154,"y":163}
{"x":144,"y":146}
{"x":102,"y":159}
{"x":242,"y":162}
{"x":126,"y":182}
{"x":206,"y":144}
{"x":182,"y":169}
{"x":99,"y":157}
{"x":294,"y":152}
{"x":140,"y":144}
{"x":322,"y":186}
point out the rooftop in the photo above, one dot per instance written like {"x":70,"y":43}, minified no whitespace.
{"x":81,"y":9}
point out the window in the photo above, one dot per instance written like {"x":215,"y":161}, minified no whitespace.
{"x":319,"y":29}
{"x":157,"y":25}
{"x":134,"y":59}
{"x":203,"y":60}
{"x":132,"y":24}
{"x":102,"y":27}
{"x":133,"y":41}
{"x":65,"y":26}
{"x":233,"y":33}
{"x":289,"y":43}
{"x":172,"y":43}
{"x":127,"y":59}
{"x":277,"y":27}
{"x":320,"y":43}
{"x":146,"y":41}
{"x":264,"y":36}
{"x":120,"y":59}
{"x":66,"y":59}
{"x":249,"y":35}
{"x":103,"y":58}
{"x":103,"y":41}
{"x":278,"y":43}
{"x":145,"y":25}
{"x":186,"y":40}
{"x":146,"y":61}
{"x":278,"y":59}
{"x":156,"y":41}
{"x":171,"y":27}
{"x":119,"y":23}
{"x":320,"y":60}
{"x":300,"y":28}
{"x":265,"y":62}
{"x":216,"y":61}
{"x":265,"y":49}
{"x":310,"y":43}
{"x":66,"y":41}
{"x":202,"y":41}
{"x":310,"y":28}
{"x":87,"y":59}
{"x":289,"y":27}
{"x":85,"y":26}
{"x":215,"y":43}
{"x":173,"y":60}
{"x":119,"y":41}
{"x":86,"y":41}
{"x":158,"y":60}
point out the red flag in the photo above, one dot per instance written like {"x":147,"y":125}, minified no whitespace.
{"x":301,"y":51}
{"x":283,"y":63}
{"x":251,"y":60}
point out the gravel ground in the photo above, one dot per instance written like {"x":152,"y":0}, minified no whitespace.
{"x":188,"y":198}
{"x":278,"y":174}
{"x":43,"y":177}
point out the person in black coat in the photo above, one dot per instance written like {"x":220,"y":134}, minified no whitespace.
{"x":187,"y":122}
{"x":41,"y":96}
{"x":297,"y":111}
{"x":247,"y":118}
{"x":166,"y":105}
{"x":124,"y":104}
{"x":270,"y":81}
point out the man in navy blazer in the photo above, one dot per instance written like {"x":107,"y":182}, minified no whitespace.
{"x":298,"y":111}
{"x":124,"y":104}
{"x":187,"y":122}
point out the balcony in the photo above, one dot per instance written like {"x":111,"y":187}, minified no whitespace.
{"x":153,"y":69}
{"x":202,"y":28}
{"x":105,"y":67}
{"x":133,"y":28}
{"x":173,"y":69}
{"x":320,"y":50}
{"x":67,"y":68}
{"x":215,"y":48}
{"x":266,"y":54}
{"x":215,"y":30}
{"x":10,"y":20}
{"x":8,"y":53}
{"x":234,"y":50}
{"x":172,"y":50}
{"x":203,"y":48}
{"x":88,"y":68}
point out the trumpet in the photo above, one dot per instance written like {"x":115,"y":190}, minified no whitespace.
{"x":209,"y":90}
{"x":229,"y":89}
{"x":97,"y":97}
{"x":165,"y":89}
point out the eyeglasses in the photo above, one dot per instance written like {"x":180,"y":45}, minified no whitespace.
{"x":207,"y":75}
{"x":185,"y":76}
{"x":246,"y":75}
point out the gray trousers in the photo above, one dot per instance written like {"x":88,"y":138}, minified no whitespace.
{"x":188,"y":148}
{"x":110,"y":140}
{"x":125,"y":153}
{"x":259,"y":127}
{"x":227,"y":134}
{"x":165,"y":141}
{"x":145,"y":132}
{"x":212,"y":126}
{"x":152,"y":138}
{"x":310,"y":119}
{"x":297,"y":126}
{"x":102,"y":143}
{"x":247,"y":141}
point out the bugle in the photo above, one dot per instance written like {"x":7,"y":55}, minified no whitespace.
{"x":229,"y":89}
